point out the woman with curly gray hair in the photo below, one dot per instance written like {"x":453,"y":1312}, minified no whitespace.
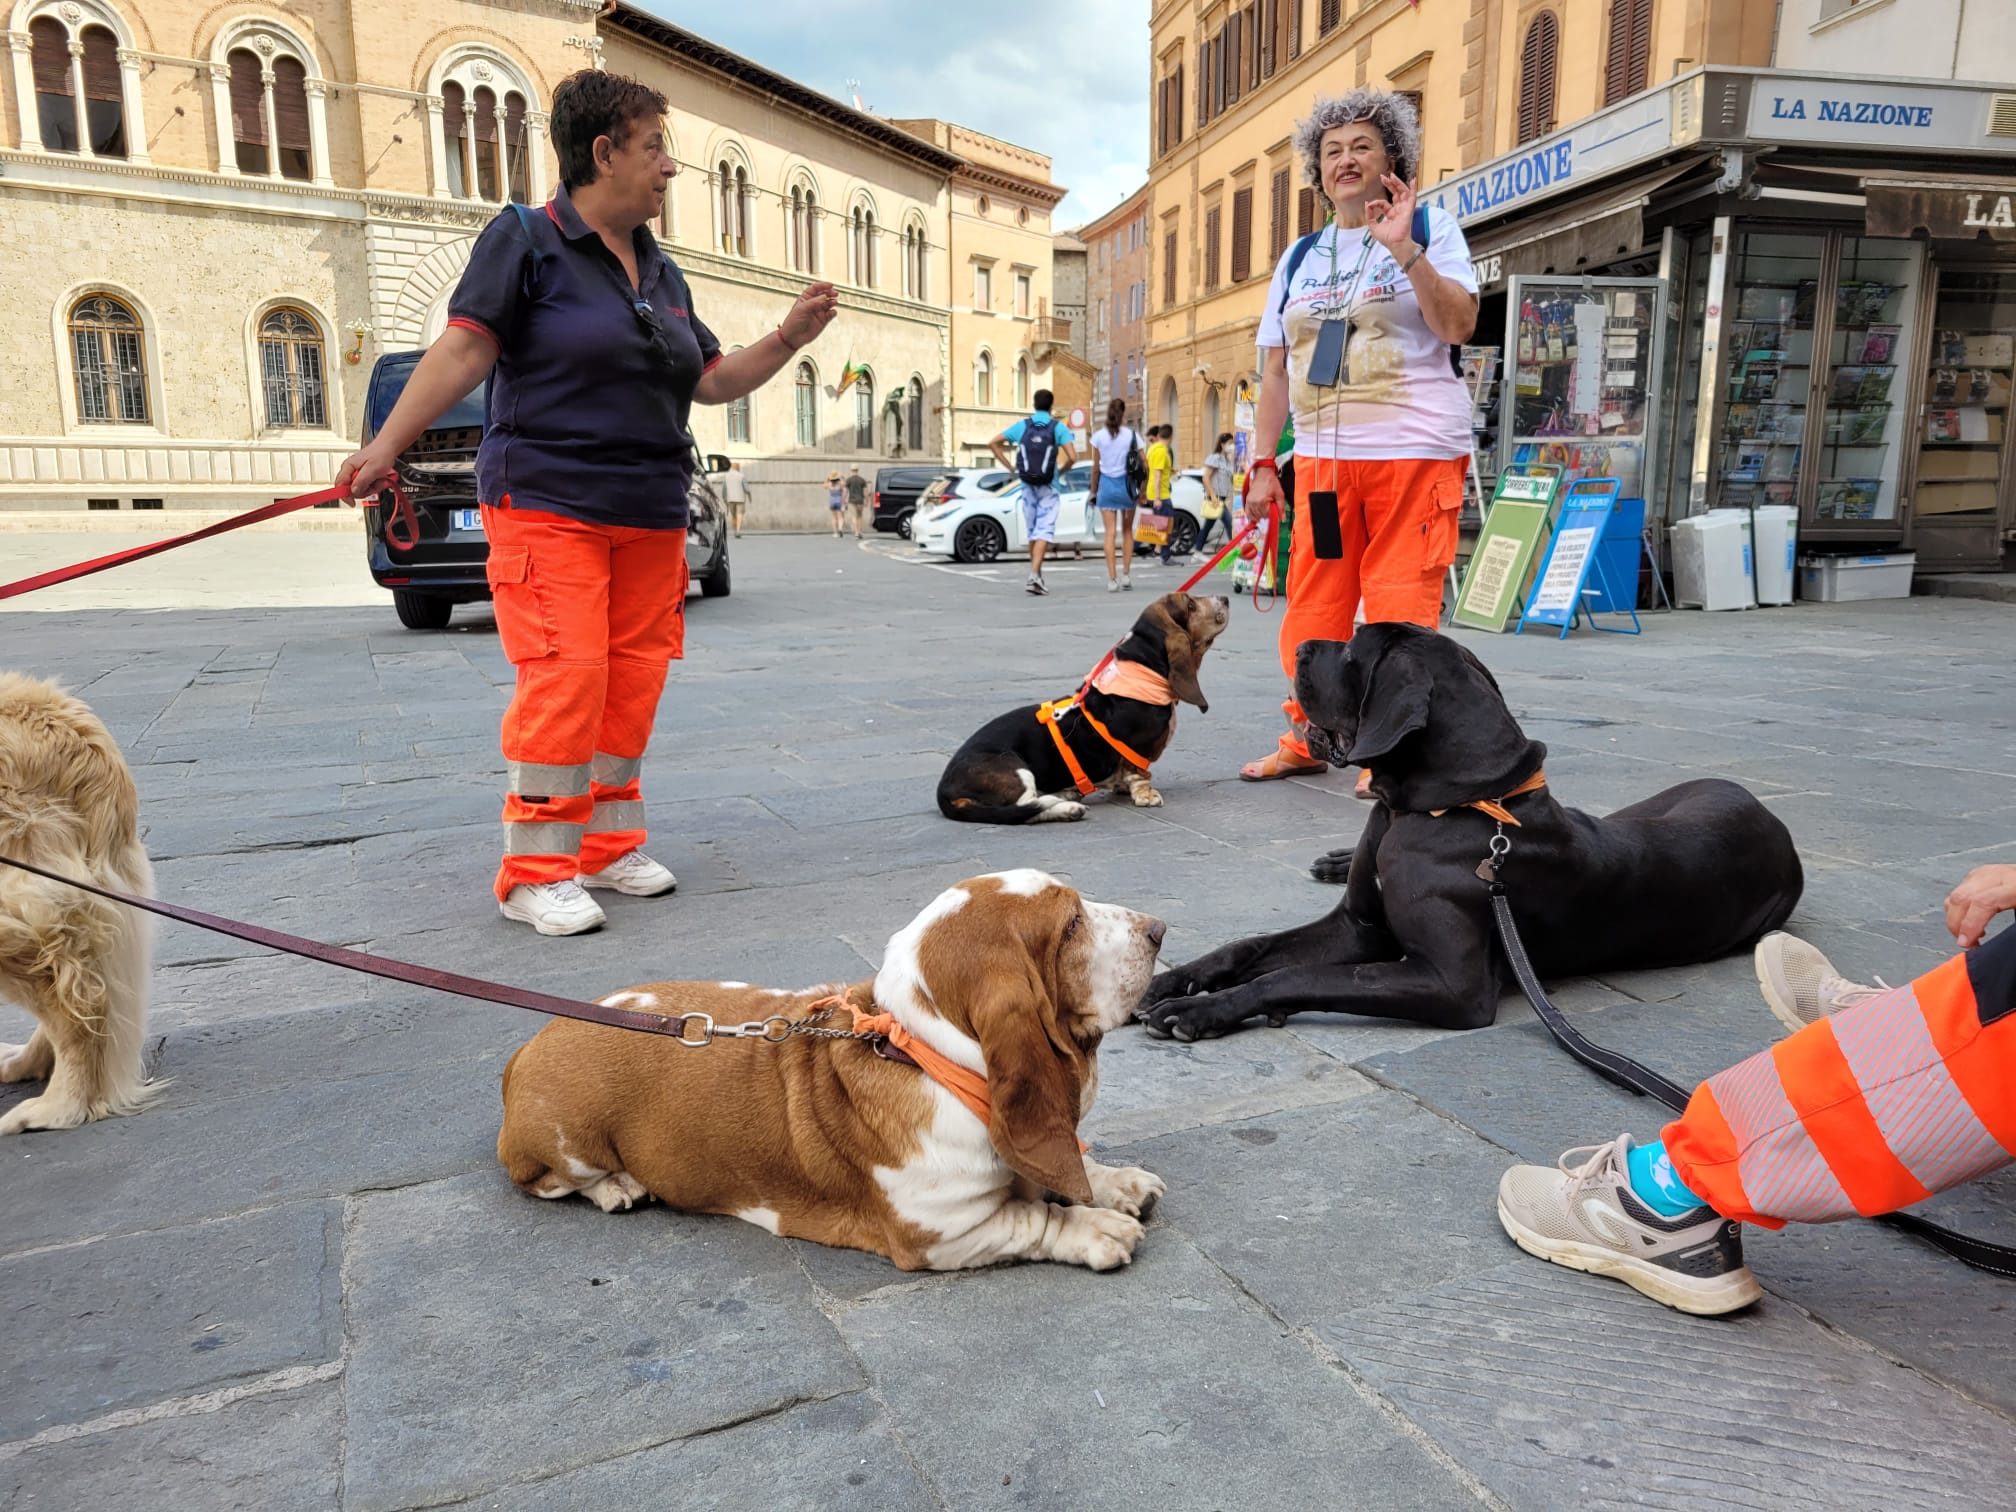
{"x":1354,"y":342}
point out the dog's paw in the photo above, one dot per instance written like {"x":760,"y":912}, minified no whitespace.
{"x":1125,"y":1189}
{"x":1146,"y":798}
{"x":1060,"y":811}
{"x":617,"y":1192}
{"x":1167,"y":985}
{"x":14,"y":1064}
{"x":1204,"y":1016}
{"x":1098,"y":1238}
{"x":44,"y":1112}
{"x":1332,"y":866}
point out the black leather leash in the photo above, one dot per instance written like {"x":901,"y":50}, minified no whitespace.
{"x":1621,"y":1070}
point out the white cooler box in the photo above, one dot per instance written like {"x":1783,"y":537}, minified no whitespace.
{"x":1850,"y":579}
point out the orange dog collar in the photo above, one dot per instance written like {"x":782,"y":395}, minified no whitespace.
{"x":1495,"y":807}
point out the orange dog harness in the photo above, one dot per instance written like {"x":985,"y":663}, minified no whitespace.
{"x":1495,"y":807}
{"x":1116,"y":679}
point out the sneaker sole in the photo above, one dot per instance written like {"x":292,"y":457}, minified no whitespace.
{"x":629,"y":892}
{"x":1704,"y":1299}
{"x":1780,"y":1009}
{"x":551,"y":930}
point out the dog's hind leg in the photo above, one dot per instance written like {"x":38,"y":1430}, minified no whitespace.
{"x":30,"y":1062}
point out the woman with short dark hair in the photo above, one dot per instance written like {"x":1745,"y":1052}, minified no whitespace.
{"x":1355,"y":344}
{"x":595,"y":357}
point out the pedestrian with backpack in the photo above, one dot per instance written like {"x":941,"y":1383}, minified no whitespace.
{"x":1042,"y":448}
{"x":1355,"y":344}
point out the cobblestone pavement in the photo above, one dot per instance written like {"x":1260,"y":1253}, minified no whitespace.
{"x":303,"y":1282}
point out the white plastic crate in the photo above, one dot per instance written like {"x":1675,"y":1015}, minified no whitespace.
{"x":1850,"y":579}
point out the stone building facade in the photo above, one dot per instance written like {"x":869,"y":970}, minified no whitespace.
{"x":1117,"y":303}
{"x":216,"y":217}
{"x":1229,"y":82}
{"x":1004,"y":333}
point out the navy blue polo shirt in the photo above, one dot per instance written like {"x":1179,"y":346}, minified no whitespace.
{"x":587,"y":412}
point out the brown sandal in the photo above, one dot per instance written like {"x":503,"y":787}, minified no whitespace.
{"x":1278,"y":764}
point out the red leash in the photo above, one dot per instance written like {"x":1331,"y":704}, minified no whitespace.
{"x":402,"y":520}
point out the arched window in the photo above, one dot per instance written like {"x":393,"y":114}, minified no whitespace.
{"x":1210,"y":416}
{"x":1538,"y":58}
{"x":55,"y":95}
{"x":1021,"y":383}
{"x":731,"y":181}
{"x":807,"y":388}
{"x":248,"y":113}
{"x":741,"y":418}
{"x":1169,"y":402}
{"x":916,"y":397}
{"x":290,"y":119}
{"x":81,"y":92}
{"x":110,"y":361}
{"x":915,"y":281}
{"x":802,"y":213}
{"x":983,"y":380}
{"x":490,"y":130}
{"x":864,"y":412}
{"x":291,"y":370}
{"x":1628,"y":59}
{"x":861,"y":246}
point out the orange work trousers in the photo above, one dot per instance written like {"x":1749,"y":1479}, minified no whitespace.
{"x":1867,"y":1111}
{"x":1398,"y":521}
{"x":591,"y":616}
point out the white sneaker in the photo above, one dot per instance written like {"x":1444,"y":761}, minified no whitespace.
{"x":1801,"y":985}
{"x":1127,"y":582}
{"x":553,"y":908}
{"x":633,"y":873}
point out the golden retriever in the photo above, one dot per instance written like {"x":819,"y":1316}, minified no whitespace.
{"x":78,"y":963}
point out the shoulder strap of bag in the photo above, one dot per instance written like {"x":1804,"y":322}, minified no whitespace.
{"x":1295,"y":255}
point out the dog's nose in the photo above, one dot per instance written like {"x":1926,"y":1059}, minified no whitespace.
{"x":1156,"y":929}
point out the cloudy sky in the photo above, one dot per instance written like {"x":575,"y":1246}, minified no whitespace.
{"x":1067,"y":79}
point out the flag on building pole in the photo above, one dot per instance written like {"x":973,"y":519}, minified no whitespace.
{"x":849,"y":375}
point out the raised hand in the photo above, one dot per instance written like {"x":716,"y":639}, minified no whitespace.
{"x":1391,"y":220}
{"x":810,"y":316}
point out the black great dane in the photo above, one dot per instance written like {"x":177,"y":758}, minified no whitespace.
{"x":1692,"y":873}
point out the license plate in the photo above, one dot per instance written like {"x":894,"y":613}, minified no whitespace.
{"x":468,"y":519}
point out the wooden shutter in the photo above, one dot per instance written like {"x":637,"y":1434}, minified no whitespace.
{"x":1256,"y":37}
{"x":1537,"y":60}
{"x":52,"y":55}
{"x":1213,"y":225}
{"x":1294,"y":27}
{"x":1242,"y":234}
{"x":101,"y":65}
{"x":1277,"y":217}
{"x":1327,"y":18}
{"x":290,"y":104}
{"x":1305,"y":211}
{"x":483,"y":105}
{"x":1176,"y":104}
{"x":1270,"y":38}
{"x":1169,"y":270}
{"x":248,"y":100}
{"x":1628,"y":57}
{"x":1203,"y":83}
{"x":1231,"y":68}
{"x":1413,"y":97}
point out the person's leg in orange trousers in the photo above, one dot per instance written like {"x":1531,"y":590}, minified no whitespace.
{"x":1398,"y":524}
{"x":1906,"y":1092}
{"x":549,"y":580}
{"x":647,"y":632}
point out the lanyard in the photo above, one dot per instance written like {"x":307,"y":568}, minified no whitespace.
{"x":1330,"y":311}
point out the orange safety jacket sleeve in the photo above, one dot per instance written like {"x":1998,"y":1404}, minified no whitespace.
{"x":1867,"y":1111}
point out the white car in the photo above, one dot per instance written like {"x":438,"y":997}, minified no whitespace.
{"x":970,"y":524}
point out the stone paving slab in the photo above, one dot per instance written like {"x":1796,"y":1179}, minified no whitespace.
{"x":1159,"y":1385}
{"x":277,"y":1453}
{"x":496,"y":1337}
{"x":1634,"y":1405}
{"x":95,"y":1330}
{"x":840,"y":1453}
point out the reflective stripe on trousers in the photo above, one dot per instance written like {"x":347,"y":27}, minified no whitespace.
{"x":1910,"y":1093}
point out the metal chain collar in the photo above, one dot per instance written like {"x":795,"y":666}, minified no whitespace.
{"x":773,"y":1030}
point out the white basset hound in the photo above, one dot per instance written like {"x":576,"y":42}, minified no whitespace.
{"x":1013,"y":976}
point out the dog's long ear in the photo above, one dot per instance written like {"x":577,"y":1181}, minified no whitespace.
{"x":1184,"y":659}
{"x":1394,"y":706}
{"x":1035,"y":1076}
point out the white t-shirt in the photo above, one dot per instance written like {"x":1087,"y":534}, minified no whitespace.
{"x":1113,"y":450}
{"x":1401,"y":399}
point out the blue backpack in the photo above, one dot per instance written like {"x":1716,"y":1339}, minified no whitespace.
{"x":1419,"y":231}
{"x":1036,"y":453}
